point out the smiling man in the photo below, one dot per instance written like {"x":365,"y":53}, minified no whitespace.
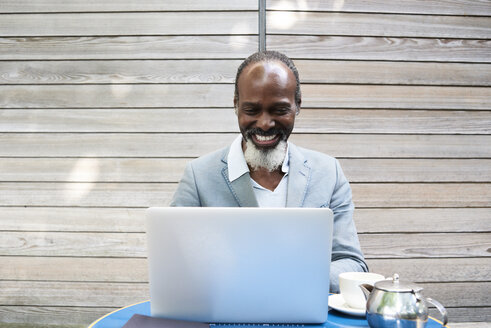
{"x":261,"y":168}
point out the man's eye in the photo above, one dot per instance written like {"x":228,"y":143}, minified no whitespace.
{"x":283,"y":110}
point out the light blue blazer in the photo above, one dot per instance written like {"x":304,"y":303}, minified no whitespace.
{"x":314,"y":180}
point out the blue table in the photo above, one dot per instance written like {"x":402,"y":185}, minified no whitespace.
{"x":335,"y":319}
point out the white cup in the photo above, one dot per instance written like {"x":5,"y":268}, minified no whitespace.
{"x":349,"y":285}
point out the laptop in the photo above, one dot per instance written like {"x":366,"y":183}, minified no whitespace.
{"x":239,"y":265}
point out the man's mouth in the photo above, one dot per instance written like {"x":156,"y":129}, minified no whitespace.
{"x":265,"y":141}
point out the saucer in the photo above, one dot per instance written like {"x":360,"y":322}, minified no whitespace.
{"x":336,"y":301}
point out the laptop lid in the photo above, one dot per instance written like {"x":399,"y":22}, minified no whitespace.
{"x":240,"y":265}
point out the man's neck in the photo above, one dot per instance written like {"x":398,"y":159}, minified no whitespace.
{"x":267,"y":179}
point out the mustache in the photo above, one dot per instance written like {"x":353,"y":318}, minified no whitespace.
{"x":270,"y":132}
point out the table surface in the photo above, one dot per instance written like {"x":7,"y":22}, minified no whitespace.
{"x":335,"y":319}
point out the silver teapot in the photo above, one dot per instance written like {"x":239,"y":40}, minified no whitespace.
{"x":391,"y":303}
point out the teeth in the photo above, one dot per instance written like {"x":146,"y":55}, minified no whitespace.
{"x":265,"y":138}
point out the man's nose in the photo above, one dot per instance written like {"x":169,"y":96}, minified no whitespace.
{"x":265,"y":122}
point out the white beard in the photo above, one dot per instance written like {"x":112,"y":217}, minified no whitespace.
{"x":269,"y":159}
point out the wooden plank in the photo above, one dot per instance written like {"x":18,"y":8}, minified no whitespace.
{"x":422,"y":195}
{"x":132,"y":120}
{"x":371,"y":72}
{"x":380,"y":48}
{"x":72,"y":293}
{"x":121,"y":294}
{"x":322,"y":23}
{"x":75,"y":269}
{"x":389,"y":220}
{"x":416,"y":170}
{"x":443,"y":292}
{"x":92,"y":169}
{"x":433,"y":270}
{"x":170,"y":170}
{"x":193,"y":145}
{"x":52,"y":315}
{"x":223,"y":71}
{"x":374,"y":246}
{"x":426,"y":245}
{"x":121,"y":95}
{"x":391,"y":96}
{"x":462,"y":314}
{"x":89,"y":194}
{"x":391,"y":120}
{"x":145,"y":71}
{"x":44,"y":6}
{"x":67,"y":219}
{"x":433,"y":146}
{"x":148,"y":23}
{"x":224,"y":120}
{"x":135,"y":269}
{"x":73,"y":244}
{"x":128,"y":47}
{"x":368,"y":220}
{"x":372,"y":220}
{"x":220,"y":95}
{"x":439,"y":7}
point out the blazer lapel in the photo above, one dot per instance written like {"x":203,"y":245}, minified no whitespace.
{"x":298,"y":178}
{"x":241,"y":187}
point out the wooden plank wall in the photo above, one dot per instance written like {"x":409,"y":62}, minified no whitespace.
{"x":103,"y":103}
{"x":399,"y":92}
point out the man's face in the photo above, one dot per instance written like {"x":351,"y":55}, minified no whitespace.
{"x":266,"y":107}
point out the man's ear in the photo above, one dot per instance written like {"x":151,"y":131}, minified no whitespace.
{"x":298,"y":107}
{"x":236,"y":105}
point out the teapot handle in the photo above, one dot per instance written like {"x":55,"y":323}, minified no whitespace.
{"x":440,"y":308}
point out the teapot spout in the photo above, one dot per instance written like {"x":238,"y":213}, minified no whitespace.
{"x":366,"y":289}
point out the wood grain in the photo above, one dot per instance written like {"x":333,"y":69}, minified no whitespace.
{"x":74,"y":269}
{"x":390,"y":96}
{"x":433,"y":270}
{"x":170,"y":170}
{"x":426,"y":245}
{"x":380,"y":72}
{"x":390,"y":220}
{"x":368,"y":220}
{"x":52,"y":315}
{"x":72,"y":293}
{"x":354,"y":24}
{"x":118,"y":95}
{"x":223,"y":71}
{"x":421,"y":195}
{"x":193,"y":145}
{"x":89,"y":194}
{"x":135,"y":23}
{"x":137,"y":71}
{"x":212,"y":120}
{"x":375,"y":246}
{"x":380,"y":48}
{"x":43,"y":6}
{"x":128,"y":47}
{"x":135,"y":269}
{"x":121,"y":294}
{"x":439,"y":7}
{"x":220,"y":95}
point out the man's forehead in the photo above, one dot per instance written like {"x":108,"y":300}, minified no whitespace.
{"x":266,"y":72}
{"x":265,"y":68}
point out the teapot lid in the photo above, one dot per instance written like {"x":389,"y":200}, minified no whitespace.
{"x":394,"y":285}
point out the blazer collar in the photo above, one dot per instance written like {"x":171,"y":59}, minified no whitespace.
{"x":298,"y":178}
{"x":241,"y":187}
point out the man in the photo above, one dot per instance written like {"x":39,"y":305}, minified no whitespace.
{"x":261,"y":168}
